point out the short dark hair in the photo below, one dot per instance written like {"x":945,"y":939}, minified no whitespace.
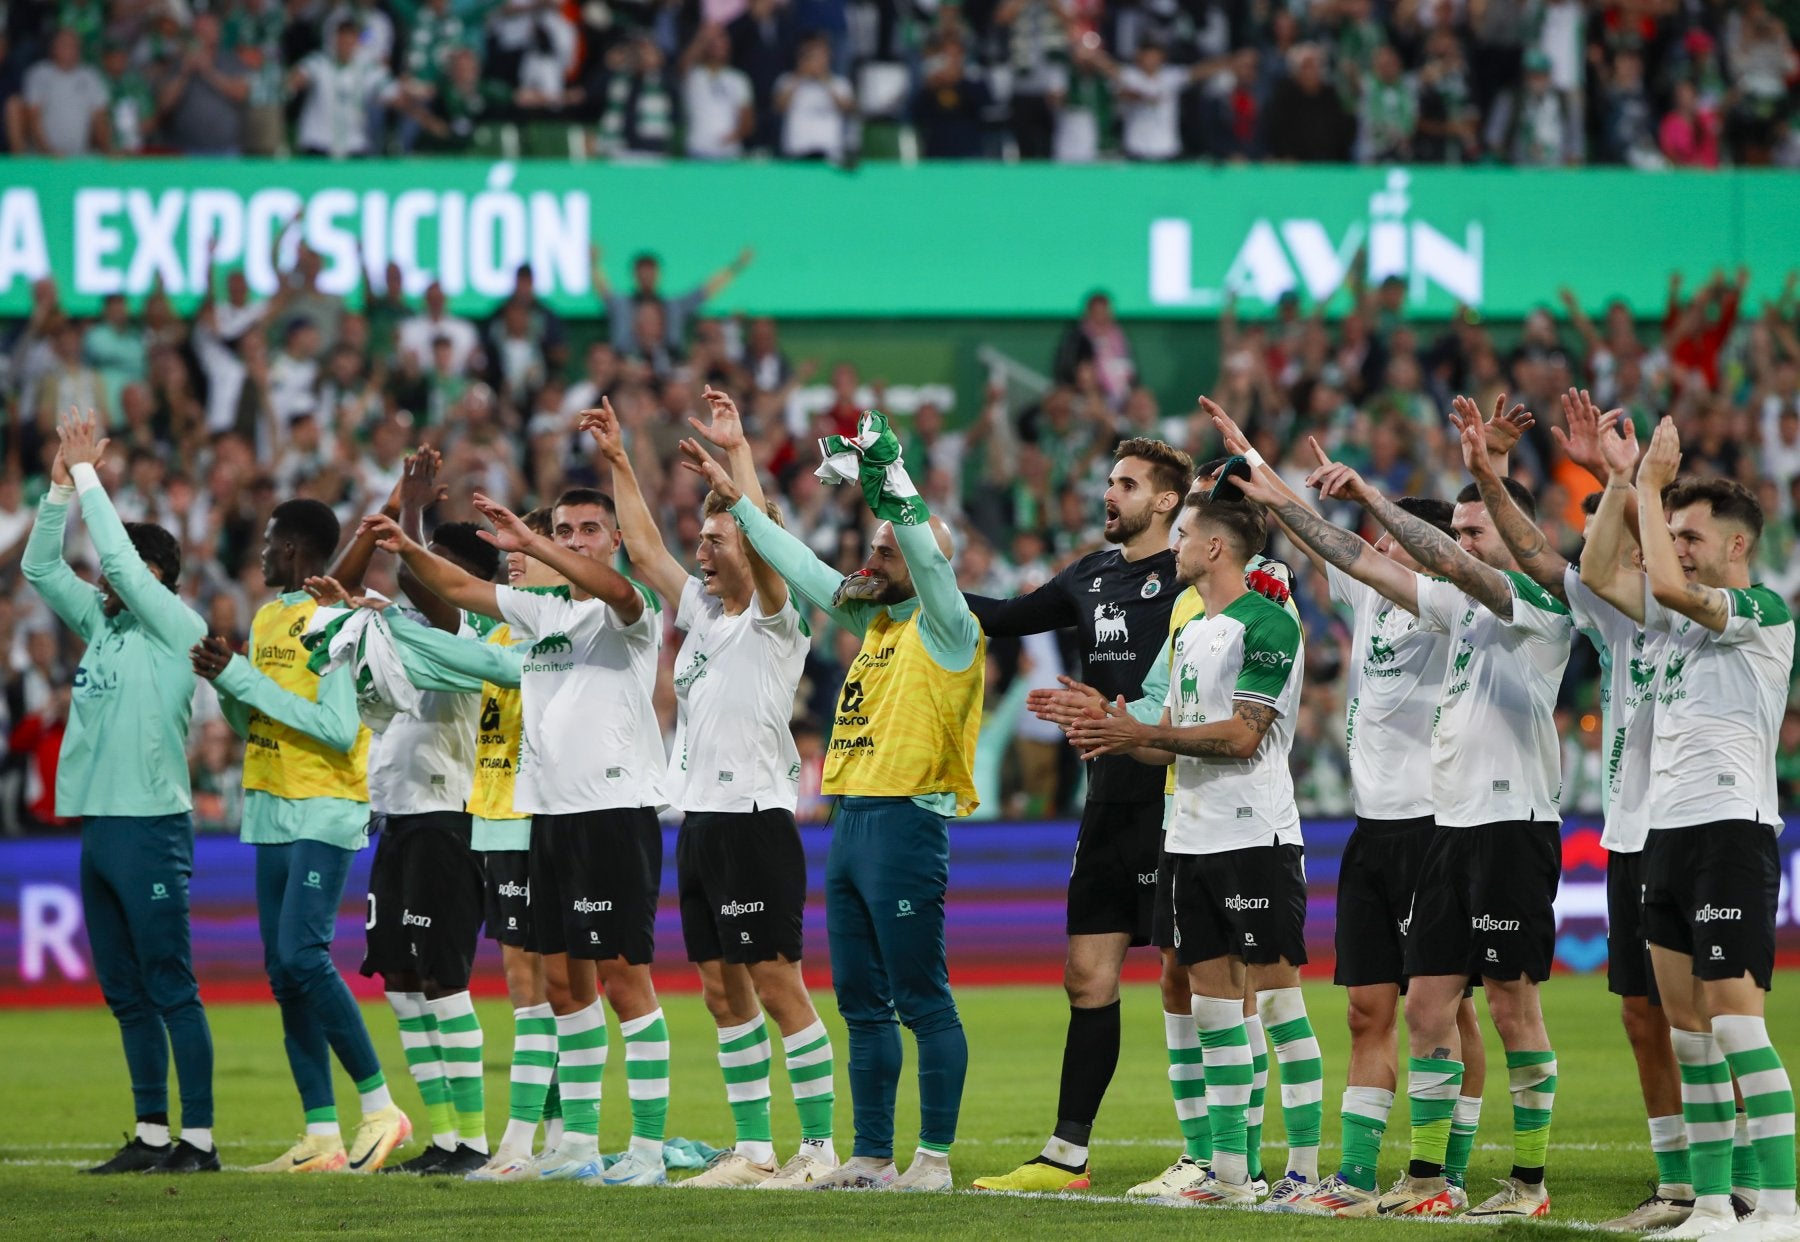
{"x":159,"y":549}
{"x":538,"y":520}
{"x":1728,"y":499}
{"x":1520,"y":494}
{"x":1590,"y":503}
{"x":1438,"y":512}
{"x":463,"y":541}
{"x":1246,"y":524}
{"x":1171,"y":470}
{"x":309,"y":523}
{"x":587,"y":496}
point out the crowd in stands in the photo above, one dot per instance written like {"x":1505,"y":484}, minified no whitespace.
{"x":1640,"y":83}
{"x":217,"y":416}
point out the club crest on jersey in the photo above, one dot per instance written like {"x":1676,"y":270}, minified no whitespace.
{"x":1152,"y":587}
{"x":1109,"y":624}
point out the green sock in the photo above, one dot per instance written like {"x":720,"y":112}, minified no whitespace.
{"x":533,"y":1063}
{"x":1531,"y":1076}
{"x":326,"y":1116}
{"x":1668,"y":1144}
{"x":1283,"y":1011}
{"x":459,"y":1035}
{"x":1365,"y":1118}
{"x":647,"y":1074}
{"x":1259,"y":1092}
{"x":1431,"y":1087}
{"x":425,"y":1062}
{"x":580,"y":1064}
{"x":1768,"y":1107}
{"x":1229,"y":1071}
{"x":553,"y":1102}
{"x":744,"y":1056}
{"x":809,"y":1070}
{"x":1187,"y":1082}
{"x":1465,"y":1120}
{"x":1746,"y":1173}
{"x":1707,"y":1109}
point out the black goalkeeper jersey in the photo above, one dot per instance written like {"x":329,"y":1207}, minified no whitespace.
{"x":1121,"y":609}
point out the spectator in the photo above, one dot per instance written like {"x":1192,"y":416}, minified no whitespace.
{"x":719,"y":100}
{"x":63,"y":109}
{"x":543,"y":325}
{"x":1448,"y":130}
{"x":460,"y":106}
{"x":1690,"y":132}
{"x":638,"y":115}
{"x":1305,"y":119}
{"x":131,"y":110}
{"x":70,"y":381}
{"x":762,"y":48}
{"x":1629,"y":134}
{"x":646,"y":274}
{"x":1035,"y":38}
{"x":38,"y":738}
{"x":949,"y":107}
{"x":1097,"y":338}
{"x":417,"y":334}
{"x":1532,"y":124}
{"x":114,"y":348}
{"x":814,"y":104}
{"x":1149,"y":93}
{"x":1389,"y":114}
{"x":201,"y":98}
{"x":438,"y":32}
{"x":340,"y":88}
{"x":1079,"y":101}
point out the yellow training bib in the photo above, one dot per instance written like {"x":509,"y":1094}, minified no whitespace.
{"x":280,"y":760}
{"x":497,"y":745}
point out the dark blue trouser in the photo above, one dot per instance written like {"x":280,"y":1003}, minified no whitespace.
{"x":134,"y":897}
{"x":299,"y":887}
{"x":884,"y":911}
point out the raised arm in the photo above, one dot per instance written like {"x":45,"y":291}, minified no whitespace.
{"x":597,"y":578}
{"x":1710,"y":606}
{"x":1047,"y":608}
{"x":436,"y":660}
{"x":650,"y":556}
{"x":75,"y":601}
{"x":730,"y":272}
{"x":419,"y":490}
{"x":1331,"y":543}
{"x":448,"y":582}
{"x":1237,"y":442}
{"x":1603,"y":570}
{"x":726,"y":431}
{"x":949,"y":629}
{"x":1541,"y":562}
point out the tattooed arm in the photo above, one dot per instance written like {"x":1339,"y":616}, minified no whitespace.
{"x":1117,"y":733}
{"x":1541,"y":562}
{"x":1442,"y":555}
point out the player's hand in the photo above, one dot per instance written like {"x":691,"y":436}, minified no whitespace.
{"x":603,"y":425}
{"x":1065,"y":706}
{"x":510,"y":534}
{"x":386,"y":532}
{"x":1334,"y":480}
{"x":329,"y":592}
{"x":859,"y":587}
{"x":1620,"y":451}
{"x":702,"y":463}
{"x":1258,"y":489}
{"x":1107,"y":730}
{"x":210,"y":656}
{"x":78,"y":438}
{"x":1272,"y":580}
{"x":59,"y":471}
{"x":419,"y":488}
{"x":1662,"y":460}
{"x":1235,"y":440}
{"x":726,"y":431}
{"x":1586,"y":428}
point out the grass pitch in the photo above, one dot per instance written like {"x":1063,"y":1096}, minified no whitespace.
{"x":69,"y":1103}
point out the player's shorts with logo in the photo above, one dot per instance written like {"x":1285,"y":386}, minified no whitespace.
{"x":742,"y":879}
{"x":1710,"y":891}
{"x":1248,"y":903}
{"x":1628,"y":970}
{"x":1376,"y":881}
{"x":1112,"y":884}
{"x":508,"y":896}
{"x":1485,"y":904}
{"x":595,"y":878}
{"x":426,"y":898}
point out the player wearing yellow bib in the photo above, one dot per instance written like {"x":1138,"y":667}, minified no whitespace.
{"x":306,"y":811}
{"x":901,"y":755}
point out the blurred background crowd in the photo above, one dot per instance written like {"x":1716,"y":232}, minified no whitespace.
{"x":217,"y":416}
{"x":1640,"y":83}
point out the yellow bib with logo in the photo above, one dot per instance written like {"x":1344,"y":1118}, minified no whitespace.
{"x":281,"y":760}
{"x":905,"y":725}
{"x":1188,"y":607}
{"x":497,"y":745}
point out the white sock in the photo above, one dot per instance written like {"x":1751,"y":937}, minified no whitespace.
{"x":1670,"y":1134}
{"x":320,"y":1129}
{"x":649,"y":1146}
{"x":1064,"y":1152}
{"x":198,"y":1136}
{"x":823,"y":1150}
{"x":517,"y":1139}
{"x":930,"y":1158}
{"x":376,"y":1100}
{"x":153,"y":1134}
{"x":553,"y":1132}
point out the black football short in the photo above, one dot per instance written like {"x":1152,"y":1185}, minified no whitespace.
{"x":1710,"y":891}
{"x":742,"y":877}
{"x":1248,"y":903}
{"x":508,"y":896}
{"x":427,"y":897}
{"x":1486,"y":902}
{"x":1376,"y":880}
{"x":1112,"y":884}
{"x":595,"y":878}
{"x":1628,"y":970}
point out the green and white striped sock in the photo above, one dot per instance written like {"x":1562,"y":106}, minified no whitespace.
{"x":553,"y":1118}
{"x":1225,"y":1051}
{"x":1187,"y":1082}
{"x":1465,"y":1120}
{"x":809,"y":1071}
{"x":1768,"y":1106}
{"x":1431,"y":1090}
{"x":744,"y":1056}
{"x":1283,"y":1011}
{"x":1669,"y":1146}
{"x":533,"y":1065}
{"x":1365,"y":1118}
{"x":647,"y":1076}
{"x":1746,"y":1173}
{"x":1707,"y":1109}
{"x":459,"y":1035}
{"x":580,"y":1064}
{"x":1531,"y":1077}
{"x":425,"y":1062}
{"x":1259,"y":1092}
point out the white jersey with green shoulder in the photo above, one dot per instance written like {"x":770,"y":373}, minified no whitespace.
{"x":1395,"y":677}
{"x":1628,"y":663}
{"x":1495,"y":756}
{"x":1249,"y":652}
{"x":1719,"y":703}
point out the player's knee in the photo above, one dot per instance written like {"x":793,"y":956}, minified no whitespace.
{"x":1643,"y":1022}
{"x":1088,"y":987}
{"x":1369,"y":1018}
{"x":924,"y":1025}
